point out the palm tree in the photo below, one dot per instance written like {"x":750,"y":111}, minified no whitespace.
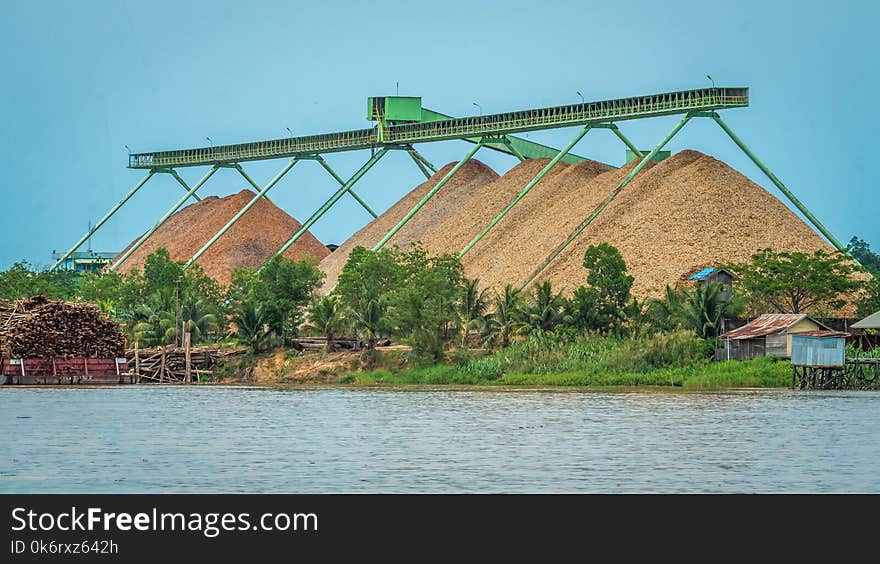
{"x":704,"y":308}
{"x":368,"y":319}
{"x":544,"y":311}
{"x":324,"y":316}
{"x":153,"y":322}
{"x":505,"y":320}
{"x":250,"y":326}
{"x":699,"y":310}
{"x":472,"y":309}
{"x":198,"y":318}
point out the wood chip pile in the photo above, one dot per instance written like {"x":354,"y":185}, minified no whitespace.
{"x":249,"y":243}
{"x":443,"y":208}
{"x":42,"y":328}
{"x":686,"y":212}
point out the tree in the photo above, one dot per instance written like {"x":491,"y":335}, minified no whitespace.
{"x":21,"y":280}
{"x":472,"y":308}
{"x":325,"y":317}
{"x":861,"y":251}
{"x":869,"y":300}
{"x":284,"y":287}
{"x":544,"y":310}
{"x":602,"y":304}
{"x":506,"y":319}
{"x":154,"y":321}
{"x":796,"y":282}
{"x":251,"y":327}
{"x":699,"y":310}
{"x":424,"y":305}
{"x":366,"y":281}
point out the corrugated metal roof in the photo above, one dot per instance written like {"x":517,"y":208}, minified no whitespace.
{"x":822,"y":333}
{"x":702,"y":274}
{"x":768,"y":324}
{"x":870,"y":322}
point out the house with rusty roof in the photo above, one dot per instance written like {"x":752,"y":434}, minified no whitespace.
{"x":767,"y":335}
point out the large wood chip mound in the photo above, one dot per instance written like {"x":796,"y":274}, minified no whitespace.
{"x":444,"y":208}
{"x":686,"y":212}
{"x":249,"y":243}
{"x":41,"y":328}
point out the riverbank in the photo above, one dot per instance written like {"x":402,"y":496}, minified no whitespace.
{"x":396,"y":367}
{"x":758,"y":373}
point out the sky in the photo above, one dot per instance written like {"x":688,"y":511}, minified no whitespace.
{"x":81,"y":80}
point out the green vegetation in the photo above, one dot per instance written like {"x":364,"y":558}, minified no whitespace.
{"x":757,"y":373}
{"x":700,"y":309}
{"x":797,"y":282}
{"x":861,"y":251}
{"x":160,"y":304}
{"x":458,"y":332}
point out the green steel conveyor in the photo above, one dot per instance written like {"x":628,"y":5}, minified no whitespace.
{"x":437,"y":127}
{"x":402,"y":122}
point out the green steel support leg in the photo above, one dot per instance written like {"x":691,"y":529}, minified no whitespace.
{"x":513,"y":149}
{"x":525,"y":190}
{"x":169,"y":213}
{"x":625,"y":140}
{"x":577,"y":230}
{"x":183,"y":183}
{"x":250,"y":180}
{"x":425,"y":161}
{"x":427,"y":197}
{"x":791,"y":197}
{"x":333,"y":199}
{"x":342,"y":183}
{"x":241,"y":213}
{"x":104,"y":219}
{"x":419,"y":164}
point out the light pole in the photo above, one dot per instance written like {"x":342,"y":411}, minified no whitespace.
{"x":479,"y":107}
{"x":710,"y":78}
{"x":582,"y":97}
{"x":209,"y":141}
{"x":289,"y":131}
{"x":127,"y":148}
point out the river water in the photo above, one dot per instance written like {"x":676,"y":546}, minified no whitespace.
{"x":337,"y":440}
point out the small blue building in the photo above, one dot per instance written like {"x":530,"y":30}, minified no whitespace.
{"x":85,"y":261}
{"x":717,"y":276}
{"x":819,"y":349}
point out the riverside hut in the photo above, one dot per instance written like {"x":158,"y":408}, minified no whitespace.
{"x":767,"y":335}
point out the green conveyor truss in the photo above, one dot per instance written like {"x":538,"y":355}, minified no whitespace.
{"x":493,"y":131}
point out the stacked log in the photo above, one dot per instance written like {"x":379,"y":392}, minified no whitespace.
{"x":38,"y":327}
{"x":339,"y":343}
{"x":168,"y":364}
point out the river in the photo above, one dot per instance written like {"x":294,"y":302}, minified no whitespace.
{"x":137,"y":439}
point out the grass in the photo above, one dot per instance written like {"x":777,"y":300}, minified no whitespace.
{"x":674,"y":359}
{"x":757,"y":373}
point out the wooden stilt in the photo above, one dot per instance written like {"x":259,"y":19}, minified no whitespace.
{"x":162,"y":367}
{"x":137,"y":362}
{"x":187,"y":372}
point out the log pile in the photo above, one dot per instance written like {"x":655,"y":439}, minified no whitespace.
{"x":340,"y":343}
{"x":38,"y":327}
{"x":168,"y":364}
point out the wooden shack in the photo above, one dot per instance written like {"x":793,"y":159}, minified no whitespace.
{"x":767,"y":335}
{"x":819,"y":349}
{"x":710,"y":275}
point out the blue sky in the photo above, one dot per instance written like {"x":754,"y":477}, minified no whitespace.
{"x":83,"y":79}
